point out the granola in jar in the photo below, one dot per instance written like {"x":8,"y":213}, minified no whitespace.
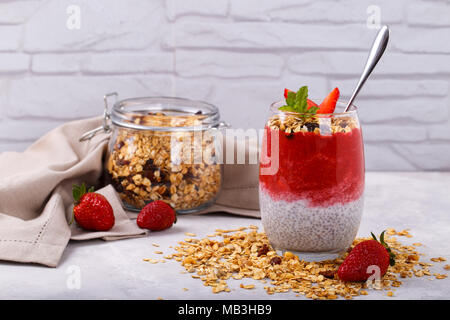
{"x":165,"y":149}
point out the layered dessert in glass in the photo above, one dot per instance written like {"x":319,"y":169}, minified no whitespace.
{"x":311,"y":174}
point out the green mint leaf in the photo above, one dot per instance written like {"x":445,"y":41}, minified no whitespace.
{"x":313,"y":110}
{"x":300,"y":99}
{"x":291,"y":98}
{"x":298,"y":102}
{"x":287,"y":108}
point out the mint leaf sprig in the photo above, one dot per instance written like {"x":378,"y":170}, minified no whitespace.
{"x":297,"y":102}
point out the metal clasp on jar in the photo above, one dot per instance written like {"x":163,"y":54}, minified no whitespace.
{"x":221,"y":125}
{"x":106,"y":126}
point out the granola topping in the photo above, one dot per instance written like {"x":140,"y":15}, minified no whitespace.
{"x":290,"y":123}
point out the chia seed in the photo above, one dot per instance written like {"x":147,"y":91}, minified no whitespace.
{"x":297,"y":226}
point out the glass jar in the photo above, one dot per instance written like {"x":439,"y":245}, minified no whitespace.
{"x":164,"y":148}
{"x":312,"y":180}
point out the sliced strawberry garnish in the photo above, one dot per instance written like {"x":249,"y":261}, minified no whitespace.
{"x":329,"y":103}
{"x":286,"y":92}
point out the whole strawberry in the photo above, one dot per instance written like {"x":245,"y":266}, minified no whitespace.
{"x":155,"y":216}
{"x":92,"y":211}
{"x":365,"y":254}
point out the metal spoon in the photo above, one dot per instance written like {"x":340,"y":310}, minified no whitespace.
{"x":378,"y":47}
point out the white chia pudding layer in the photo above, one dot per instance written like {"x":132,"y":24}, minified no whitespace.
{"x":299,"y":227}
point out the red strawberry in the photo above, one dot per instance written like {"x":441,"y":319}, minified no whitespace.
{"x":310,"y":102}
{"x":92,"y":211}
{"x":363,"y":255}
{"x":155,"y":216}
{"x":329,"y":103}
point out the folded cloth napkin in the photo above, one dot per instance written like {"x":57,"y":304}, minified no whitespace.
{"x":36,"y":199}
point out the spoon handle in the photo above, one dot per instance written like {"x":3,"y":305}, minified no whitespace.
{"x":378,"y":47}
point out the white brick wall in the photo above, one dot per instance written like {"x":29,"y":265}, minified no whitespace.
{"x":237,"y":54}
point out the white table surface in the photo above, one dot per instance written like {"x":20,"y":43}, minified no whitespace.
{"x":115,"y":270}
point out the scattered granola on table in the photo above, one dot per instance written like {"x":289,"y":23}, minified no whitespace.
{"x":244,"y":254}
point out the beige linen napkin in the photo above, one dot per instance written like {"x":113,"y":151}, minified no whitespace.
{"x":239,"y":193}
{"x":35,"y":194}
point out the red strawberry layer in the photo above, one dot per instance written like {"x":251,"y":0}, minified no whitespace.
{"x":324,"y":170}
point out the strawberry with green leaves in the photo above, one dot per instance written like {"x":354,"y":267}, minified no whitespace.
{"x":363,"y":255}
{"x":92,"y":211}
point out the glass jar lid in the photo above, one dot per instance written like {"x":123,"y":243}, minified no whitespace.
{"x":164,"y":114}
{"x":158,"y":114}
